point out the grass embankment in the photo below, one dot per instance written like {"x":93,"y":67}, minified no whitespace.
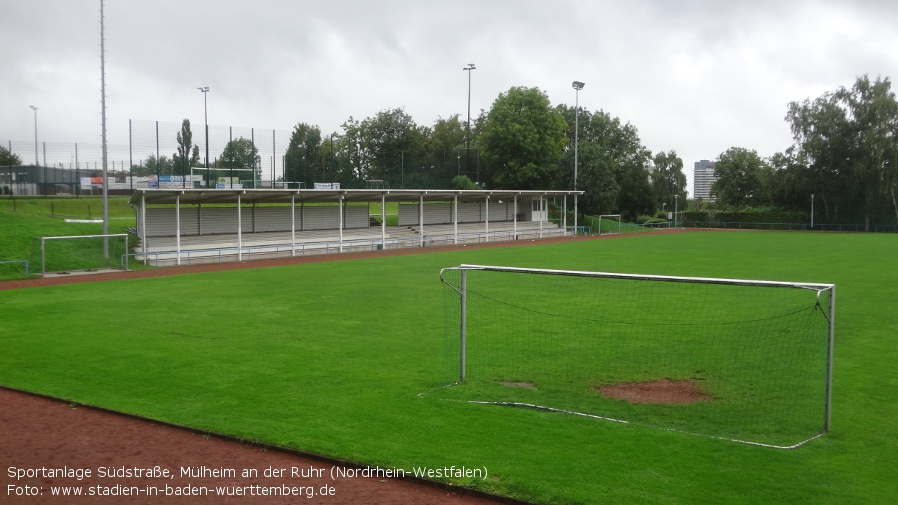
{"x":23,"y":220}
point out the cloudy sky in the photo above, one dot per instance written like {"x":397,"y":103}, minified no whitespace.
{"x":695,"y":76}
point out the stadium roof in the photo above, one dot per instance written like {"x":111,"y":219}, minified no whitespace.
{"x":190,"y":196}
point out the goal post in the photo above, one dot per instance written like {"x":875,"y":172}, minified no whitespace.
{"x":742,"y":360}
{"x":83,"y":252}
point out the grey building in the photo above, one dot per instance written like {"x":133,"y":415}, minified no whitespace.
{"x":703,"y":179}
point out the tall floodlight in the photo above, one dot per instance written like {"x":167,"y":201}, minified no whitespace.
{"x":103,"y":114}
{"x":36,"y":159}
{"x":577,"y":85}
{"x":468,"y":132}
{"x":812,"y":210}
{"x":204,"y":90}
{"x":676,"y":209}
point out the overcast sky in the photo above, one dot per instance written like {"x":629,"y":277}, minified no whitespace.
{"x":694,"y":76}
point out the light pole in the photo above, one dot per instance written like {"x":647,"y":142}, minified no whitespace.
{"x":36,"y":159}
{"x":204,"y":90}
{"x":468,"y":69}
{"x":676,"y":208}
{"x":577,"y":85}
{"x":812,"y":210}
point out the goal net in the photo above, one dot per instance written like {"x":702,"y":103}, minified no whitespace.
{"x":747,"y":361}
{"x":80,"y":253}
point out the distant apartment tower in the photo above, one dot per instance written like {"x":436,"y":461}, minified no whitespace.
{"x":703,"y":179}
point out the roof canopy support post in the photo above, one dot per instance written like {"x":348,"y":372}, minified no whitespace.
{"x":514,"y":211}
{"x":486,"y":219}
{"x":455,"y":218}
{"x":239,"y":231}
{"x":542,"y":210}
{"x":143,"y":226}
{"x":178,"y":228}
{"x":340,"y":203}
{"x":293,"y":224}
{"x":564,"y":217}
{"x":383,"y":221}
{"x":421,"y":218}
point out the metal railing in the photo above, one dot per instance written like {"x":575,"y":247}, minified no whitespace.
{"x":276,"y":251}
{"x":742,"y":225}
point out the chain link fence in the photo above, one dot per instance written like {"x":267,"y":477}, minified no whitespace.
{"x":222,"y":156}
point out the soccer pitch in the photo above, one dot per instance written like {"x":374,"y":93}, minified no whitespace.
{"x":330,"y":358}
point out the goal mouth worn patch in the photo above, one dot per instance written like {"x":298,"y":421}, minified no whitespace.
{"x":518,"y":384}
{"x":658,"y":391}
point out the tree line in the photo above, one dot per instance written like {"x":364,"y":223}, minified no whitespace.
{"x":845,"y":154}
{"x":844,"y":159}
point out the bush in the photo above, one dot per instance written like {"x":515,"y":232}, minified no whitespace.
{"x":463,"y":182}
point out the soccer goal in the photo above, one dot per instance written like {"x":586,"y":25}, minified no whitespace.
{"x":743,"y":360}
{"x":613,"y":226}
{"x":82,"y":253}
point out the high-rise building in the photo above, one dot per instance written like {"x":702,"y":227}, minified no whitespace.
{"x":703,"y":179}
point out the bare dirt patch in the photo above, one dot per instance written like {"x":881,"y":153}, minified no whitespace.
{"x":659,"y":391}
{"x":517,"y":384}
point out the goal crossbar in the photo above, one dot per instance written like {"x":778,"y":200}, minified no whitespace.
{"x":666,"y":278}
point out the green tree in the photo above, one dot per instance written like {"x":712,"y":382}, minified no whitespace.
{"x":8,"y":159}
{"x":354,"y":165}
{"x":787,"y":183}
{"x":302,"y":154}
{"x":668,"y":179}
{"x":608,"y":152}
{"x":522,"y":140}
{"x":849,"y":139}
{"x":445,"y":148}
{"x":738,"y":172}
{"x":636,"y":197}
{"x":240,"y":153}
{"x":328,"y":160}
{"x":390,"y":142}
{"x":153,"y":166}
{"x":872,"y":112}
{"x":188,"y":154}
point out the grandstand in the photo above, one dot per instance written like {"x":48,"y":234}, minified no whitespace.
{"x":199,"y":225}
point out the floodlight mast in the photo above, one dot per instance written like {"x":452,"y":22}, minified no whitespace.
{"x":103,"y":114}
{"x":204,"y":90}
{"x":468,"y":69}
{"x":36,"y":159}
{"x":577,"y":85}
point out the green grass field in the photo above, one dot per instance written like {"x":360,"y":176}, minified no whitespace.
{"x":331,"y":357}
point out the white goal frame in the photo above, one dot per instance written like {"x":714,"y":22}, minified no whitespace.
{"x":68,"y":237}
{"x":818,"y":287}
{"x":603,"y":216}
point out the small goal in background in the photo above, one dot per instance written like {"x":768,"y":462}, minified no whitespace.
{"x":81,"y":253}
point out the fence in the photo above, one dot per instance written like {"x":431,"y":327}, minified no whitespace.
{"x":60,"y":168}
{"x":253,"y":157}
{"x":844,"y":228}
